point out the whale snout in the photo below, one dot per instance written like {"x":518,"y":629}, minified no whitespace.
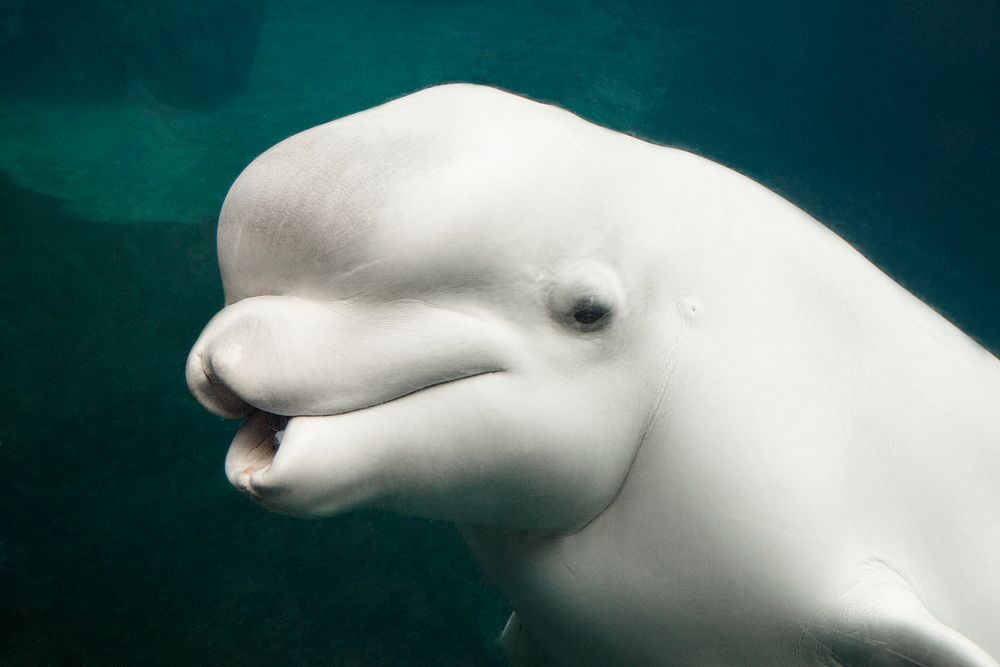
{"x":294,"y":357}
{"x":210,"y":391}
{"x":317,"y":370}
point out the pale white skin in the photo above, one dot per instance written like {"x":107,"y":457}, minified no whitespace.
{"x":765,"y":452}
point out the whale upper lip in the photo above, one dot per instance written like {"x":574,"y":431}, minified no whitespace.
{"x":278,"y":422}
{"x":297,"y":356}
{"x":429,"y":385}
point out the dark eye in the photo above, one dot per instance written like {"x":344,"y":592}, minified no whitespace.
{"x":586,"y":297}
{"x":589,"y":313}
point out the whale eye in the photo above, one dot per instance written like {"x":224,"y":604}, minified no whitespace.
{"x":590,"y":314}
{"x":585,"y":297}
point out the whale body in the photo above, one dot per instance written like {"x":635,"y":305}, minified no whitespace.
{"x":677,"y":420}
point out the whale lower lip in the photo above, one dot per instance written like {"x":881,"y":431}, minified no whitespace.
{"x":253,"y":447}
{"x":268,"y":429}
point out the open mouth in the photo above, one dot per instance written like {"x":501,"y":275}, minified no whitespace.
{"x":254,"y":447}
{"x":258,"y":441}
{"x":274,"y":429}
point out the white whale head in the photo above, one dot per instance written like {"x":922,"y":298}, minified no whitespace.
{"x":470,"y":306}
{"x":436,"y":305}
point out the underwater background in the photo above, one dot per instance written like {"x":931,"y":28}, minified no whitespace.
{"x":122,"y":125}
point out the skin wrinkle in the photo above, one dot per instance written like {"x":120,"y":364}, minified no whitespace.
{"x":652,"y":417}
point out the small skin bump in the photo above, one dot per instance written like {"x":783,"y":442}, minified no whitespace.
{"x":690,"y":309}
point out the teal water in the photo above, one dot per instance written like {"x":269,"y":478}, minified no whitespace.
{"x":122,"y":125}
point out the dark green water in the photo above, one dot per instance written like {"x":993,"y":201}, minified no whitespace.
{"x":121,"y":126}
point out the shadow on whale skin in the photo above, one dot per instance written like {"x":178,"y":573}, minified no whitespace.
{"x":677,"y":420}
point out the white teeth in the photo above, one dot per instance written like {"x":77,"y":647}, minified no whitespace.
{"x":279,"y":436}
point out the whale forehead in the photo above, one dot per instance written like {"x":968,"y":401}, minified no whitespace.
{"x":457,"y":179}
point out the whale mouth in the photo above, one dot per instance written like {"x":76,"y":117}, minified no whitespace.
{"x":274,"y":431}
{"x":254,"y":447}
{"x":258,"y":440}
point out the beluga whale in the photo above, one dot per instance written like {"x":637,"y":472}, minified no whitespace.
{"x":677,"y":420}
